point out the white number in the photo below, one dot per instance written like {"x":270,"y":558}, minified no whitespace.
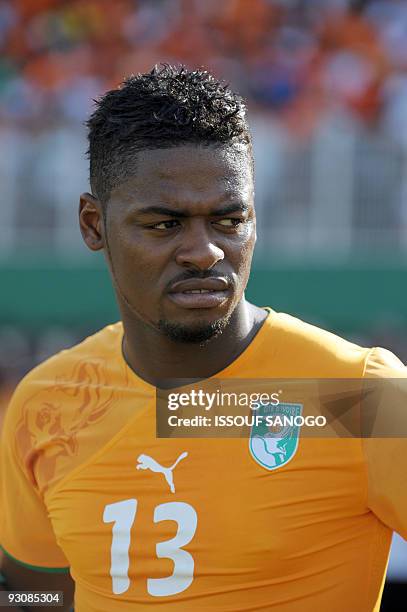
{"x":183,"y":573}
{"x":122,"y":514}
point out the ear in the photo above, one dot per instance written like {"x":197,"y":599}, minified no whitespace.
{"x":91,"y":221}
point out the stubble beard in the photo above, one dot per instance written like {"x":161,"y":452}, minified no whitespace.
{"x":199,"y":333}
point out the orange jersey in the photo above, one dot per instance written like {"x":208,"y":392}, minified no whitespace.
{"x":196,"y":524}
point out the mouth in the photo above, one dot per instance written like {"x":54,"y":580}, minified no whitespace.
{"x":199,"y":298}
{"x":200,"y":293}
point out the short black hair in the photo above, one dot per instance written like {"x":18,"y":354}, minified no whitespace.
{"x":166,"y":107}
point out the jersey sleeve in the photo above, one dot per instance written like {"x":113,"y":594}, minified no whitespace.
{"x":385,"y":448}
{"x":26,"y":532}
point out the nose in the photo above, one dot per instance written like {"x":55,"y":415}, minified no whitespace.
{"x":198,"y":250}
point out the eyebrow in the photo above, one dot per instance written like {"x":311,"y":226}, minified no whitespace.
{"x":170,"y":212}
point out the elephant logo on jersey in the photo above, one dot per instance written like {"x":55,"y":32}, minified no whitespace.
{"x":274,"y":446}
{"x":145,"y":462}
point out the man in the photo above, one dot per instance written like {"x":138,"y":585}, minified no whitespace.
{"x":186,"y":524}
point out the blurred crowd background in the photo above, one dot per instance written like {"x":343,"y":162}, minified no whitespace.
{"x":325,"y":80}
{"x":296,"y":59}
{"x":326,"y":87}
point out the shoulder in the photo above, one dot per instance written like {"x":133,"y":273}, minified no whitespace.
{"x":385,"y":400}
{"x":382,"y":363}
{"x":86,"y":364}
{"x":313,"y":351}
{"x":66,"y":364}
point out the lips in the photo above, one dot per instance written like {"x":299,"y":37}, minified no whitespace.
{"x":200,"y":293}
{"x":193,"y":284}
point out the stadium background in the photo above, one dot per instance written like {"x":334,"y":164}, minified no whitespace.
{"x":326,"y":84}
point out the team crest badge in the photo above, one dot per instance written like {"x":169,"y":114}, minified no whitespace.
{"x":274,"y":441}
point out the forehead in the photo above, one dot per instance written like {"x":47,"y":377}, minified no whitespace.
{"x":188,"y":173}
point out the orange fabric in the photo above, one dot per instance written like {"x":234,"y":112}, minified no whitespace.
{"x":302,"y":537}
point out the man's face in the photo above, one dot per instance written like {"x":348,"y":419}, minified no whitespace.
{"x":180,"y":235}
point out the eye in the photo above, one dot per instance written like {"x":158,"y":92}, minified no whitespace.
{"x":165,"y":225}
{"x":231,"y":222}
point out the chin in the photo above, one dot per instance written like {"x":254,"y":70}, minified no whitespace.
{"x":200,"y":332}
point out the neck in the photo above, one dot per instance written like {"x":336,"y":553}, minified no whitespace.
{"x":157,"y":359}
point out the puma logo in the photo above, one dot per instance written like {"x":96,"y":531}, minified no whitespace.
{"x":145,"y":462}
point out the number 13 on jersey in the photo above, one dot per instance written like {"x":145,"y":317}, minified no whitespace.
{"x":122,"y":514}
